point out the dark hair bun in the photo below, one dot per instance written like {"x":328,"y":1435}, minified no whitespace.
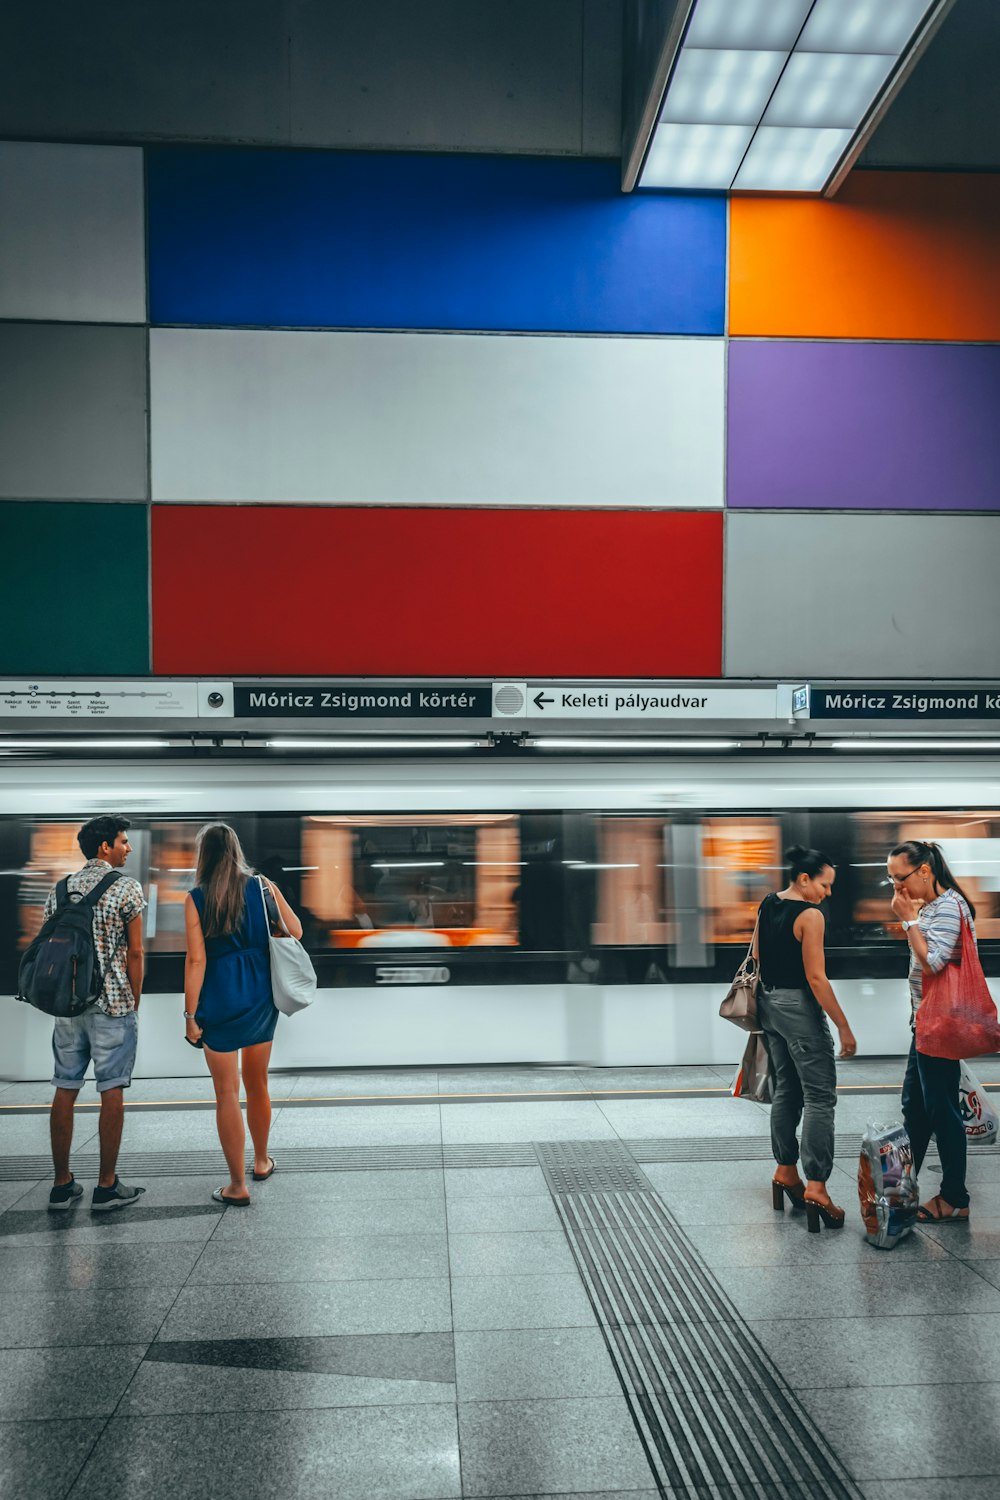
{"x":809,"y":862}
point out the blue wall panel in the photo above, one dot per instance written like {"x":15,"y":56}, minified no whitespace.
{"x":366,"y":240}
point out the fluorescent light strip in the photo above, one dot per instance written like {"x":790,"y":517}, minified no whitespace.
{"x":832,"y":89}
{"x":374,"y":744}
{"x":582,"y":864}
{"x":408,"y":864}
{"x":754,"y":23}
{"x":85,"y":744}
{"x":861,"y":25}
{"x":915,"y":744}
{"x":721,"y":88}
{"x":790,"y":159}
{"x":769,"y":95}
{"x":546,"y":743}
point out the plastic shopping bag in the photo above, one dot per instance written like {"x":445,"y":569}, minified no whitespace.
{"x":957,"y":1016}
{"x":887,"y":1186}
{"x":753,"y":1076}
{"x":978,"y":1110}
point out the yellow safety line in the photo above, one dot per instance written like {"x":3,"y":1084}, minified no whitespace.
{"x":428,"y":1098}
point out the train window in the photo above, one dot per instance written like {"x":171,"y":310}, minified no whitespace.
{"x":970,"y":842}
{"x":630,"y":884}
{"x":410,"y":881}
{"x":742,"y":861}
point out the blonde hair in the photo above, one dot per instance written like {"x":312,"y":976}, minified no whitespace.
{"x":222,"y":873}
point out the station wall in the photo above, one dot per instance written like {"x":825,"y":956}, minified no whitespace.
{"x":484,"y":415}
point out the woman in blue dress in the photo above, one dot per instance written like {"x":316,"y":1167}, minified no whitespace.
{"x":228,"y":1005}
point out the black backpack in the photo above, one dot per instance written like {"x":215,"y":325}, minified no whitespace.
{"x":59,"y":972}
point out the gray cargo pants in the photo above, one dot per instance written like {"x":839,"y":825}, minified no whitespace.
{"x":805,"y":1079}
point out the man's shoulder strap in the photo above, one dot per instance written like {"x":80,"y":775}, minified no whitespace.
{"x":92,"y":897}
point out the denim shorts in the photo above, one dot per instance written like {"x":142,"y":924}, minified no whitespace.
{"x":108,"y":1040}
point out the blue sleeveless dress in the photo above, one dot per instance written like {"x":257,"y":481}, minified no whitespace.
{"x":236,"y":1008}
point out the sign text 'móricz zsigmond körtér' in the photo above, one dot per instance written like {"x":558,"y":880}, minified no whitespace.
{"x":933,"y":702}
{"x":361,"y":700}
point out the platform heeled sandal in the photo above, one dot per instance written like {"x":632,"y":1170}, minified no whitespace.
{"x":793,"y":1191}
{"x":817,"y":1213}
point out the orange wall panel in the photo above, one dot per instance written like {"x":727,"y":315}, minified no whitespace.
{"x":381,"y":591}
{"x":896,"y":255}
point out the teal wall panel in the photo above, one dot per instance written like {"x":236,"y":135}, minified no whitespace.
{"x":76,"y":595}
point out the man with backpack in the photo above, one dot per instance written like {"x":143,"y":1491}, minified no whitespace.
{"x":92,"y":989}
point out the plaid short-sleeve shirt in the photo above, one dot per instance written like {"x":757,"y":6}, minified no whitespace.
{"x":120,"y":903}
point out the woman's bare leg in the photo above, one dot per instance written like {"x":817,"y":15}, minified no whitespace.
{"x":255,"y":1064}
{"x":224,"y":1068}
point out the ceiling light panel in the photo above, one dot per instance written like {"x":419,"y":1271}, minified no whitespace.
{"x":805,"y":77}
{"x":790,"y":160}
{"x":862,"y":25}
{"x":695,"y":156}
{"x":828,"y":88}
{"x":721,"y":86}
{"x":755,"y":24}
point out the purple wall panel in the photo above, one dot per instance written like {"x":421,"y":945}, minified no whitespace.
{"x":863,"y":426}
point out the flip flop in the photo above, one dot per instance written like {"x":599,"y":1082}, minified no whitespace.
{"x":220,"y":1197}
{"x":263,"y":1176}
{"x":926,"y":1216}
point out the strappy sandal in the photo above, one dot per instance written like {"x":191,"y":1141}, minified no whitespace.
{"x":832,"y":1216}
{"x":928,"y":1214}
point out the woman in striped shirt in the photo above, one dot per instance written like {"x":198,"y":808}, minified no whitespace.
{"x":932,"y":906}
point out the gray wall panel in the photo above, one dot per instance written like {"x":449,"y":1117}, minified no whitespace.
{"x":71,"y":233}
{"x":394,"y":418}
{"x":946,"y":114}
{"x":450,"y":75}
{"x":446,"y":75}
{"x":861,"y":596}
{"x":602,"y":78}
{"x":142,"y":69}
{"x":72,"y":412}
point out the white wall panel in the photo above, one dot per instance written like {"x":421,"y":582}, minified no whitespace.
{"x":449,"y":419}
{"x":825,"y":595}
{"x":607,"y":1025}
{"x":71,"y":233}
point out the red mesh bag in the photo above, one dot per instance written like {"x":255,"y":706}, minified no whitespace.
{"x":957,"y":1016}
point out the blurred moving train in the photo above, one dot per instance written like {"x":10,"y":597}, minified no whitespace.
{"x":513,"y":911}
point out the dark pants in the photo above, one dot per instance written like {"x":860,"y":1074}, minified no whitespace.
{"x":805,"y":1079}
{"x":930,"y":1108}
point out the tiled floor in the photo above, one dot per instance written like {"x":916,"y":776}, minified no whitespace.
{"x":374,"y":1329}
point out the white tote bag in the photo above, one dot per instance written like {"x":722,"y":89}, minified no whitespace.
{"x":979,"y":1113}
{"x":293,"y":978}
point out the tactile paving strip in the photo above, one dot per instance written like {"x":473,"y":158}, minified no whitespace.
{"x":708,"y":1407}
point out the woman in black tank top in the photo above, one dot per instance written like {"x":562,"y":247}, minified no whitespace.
{"x":793,"y":1001}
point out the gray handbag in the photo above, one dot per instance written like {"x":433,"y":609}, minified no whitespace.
{"x":754,"y":1079}
{"x":293,"y":978}
{"x":740,"y":1005}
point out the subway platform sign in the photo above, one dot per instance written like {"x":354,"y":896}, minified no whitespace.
{"x":905,"y":701}
{"x":626,"y":702}
{"x":361,"y":700}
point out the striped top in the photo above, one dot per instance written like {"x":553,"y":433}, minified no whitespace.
{"x":940,"y":921}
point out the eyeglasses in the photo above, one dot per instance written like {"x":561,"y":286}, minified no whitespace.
{"x":898,"y":880}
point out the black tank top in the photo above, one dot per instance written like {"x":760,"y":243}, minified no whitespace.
{"x":781,"y":966}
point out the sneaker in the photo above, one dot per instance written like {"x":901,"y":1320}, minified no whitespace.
{"x":118,"y":1196}
{"x":65,"y":1194}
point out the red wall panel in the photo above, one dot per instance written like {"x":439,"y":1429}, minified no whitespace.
{"x":485,"y":593}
